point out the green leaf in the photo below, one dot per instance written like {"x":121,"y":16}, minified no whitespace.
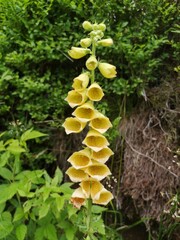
{"x":2,"y":207}
{"x":6,"y":173}
{"x":15,"y":148}
{"x":98,"y":209}
{"x":7,"y":191}
{"x":4,"y":158}
{"x":21,"y":231}
{"x":2,"y":148}
{"x":59,"y":201}
{"x":31,"y":134}
{"x":32,"y":176}
{"x":57,"y":177}
{"x":19,"y":214}
{"x":6,"y":228}
{"x":43,"y":210}
{"x":50,"y":232}
{"x":39,"y":234}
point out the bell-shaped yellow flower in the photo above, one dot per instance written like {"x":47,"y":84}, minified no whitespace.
{"x":81,"y":82}
{"x":80,"y":159}
{"x":104,"y":198}
{"x":73,"y":125}
{"x":98,"y":171}
{"x":107,"y":70}
{"x":100,"y":123}
{"x":76,"y":98}
{"x":102,"y":155}
{"x":106,"y":42}
{"x":91,"y":63}
{"x":91,"y":188}
{"x":76,"y":175}
{"x":95,"y":141}
{"x":85,"y":42}
{"x":78,"y":198}
{"x":77,"y":52}
{"x":84,"y":112}
{"x":95,"y":92}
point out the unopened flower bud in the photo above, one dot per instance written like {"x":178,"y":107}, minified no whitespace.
{"x":105,"y":42}
{"x":102,"y":27}
{"x":107,"y":70}
{"x":85,"y":42}
{"x":91,"y":63}
{"x":77,"y":52}
{"x":87,"y":26}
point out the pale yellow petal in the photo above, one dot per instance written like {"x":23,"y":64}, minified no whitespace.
{"x":77,"y":52}
{"x":104,"y":198}
{"x":95,"y":92}
{"x":80,"y":159}
{"x":76,"y":98}
{"x":91,"y":63}
{"x":76,"y":175}
{"x":73,"y":125}
{"x":103,"y":155}
{"x":85,"y":112}
{"x":98,"y":171}
{"x":100,"y":123}
{"x":81,"y":82}
{"x":78,"y":198}
{"x":107,"y":70}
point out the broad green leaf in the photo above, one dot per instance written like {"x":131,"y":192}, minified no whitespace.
{"x":6,"y":173}
{"x":19,"y":214}
{"x":2,"y":207}
{"x":2,"y":148}
{"x":43,"y":210}
{"x":7,"y":191}
{"x":6,"y":216}
{"x":15,"y":148}
{"x":21,"y":231}
{"x":31,"y":134}
{"x":98,"y":225}
{"x":50,"y":232}
{"x":32,"y":176}
{"x":60,"y":202}
{"x":6,"y":228}
{"x":58,"y":176}
{"x":39,"y":234}
{"x":45,"y":193}
{"x":4,"y":158}
{"x":24,"y":188}
{"x":98,"y":209}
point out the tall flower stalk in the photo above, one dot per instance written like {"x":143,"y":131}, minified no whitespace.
{"x":89,"y":164}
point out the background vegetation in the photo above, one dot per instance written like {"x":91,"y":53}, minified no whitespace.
{"x":36,"y":74}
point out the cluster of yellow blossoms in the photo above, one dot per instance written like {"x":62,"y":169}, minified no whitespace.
{"x":88,"y":165}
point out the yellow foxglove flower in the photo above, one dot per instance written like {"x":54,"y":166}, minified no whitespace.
{"x":84,"y":112}
{"x":87,"y":26}
{"x":80,"y":159}
{"x":98,"y":171}
{"x":95,"y":92}
{"x":73,"y":125}
{"x":100,"y":123}
{"x":76,"y":175}
{"x":91,"y":63}
{"x":81,"y":82}
{"x":105,"y":197}
{"x":85,"y":42}
{"x":102,"y":26}
{"x":78,"y":198}
{"x":103,"y":155}
{"x":91,"y":188}
{"x":77,"y":52}
{"x":106,"y":42}
{"x":95,"y":141}
{"x":107,"y":70}
{"x":76,"y":98}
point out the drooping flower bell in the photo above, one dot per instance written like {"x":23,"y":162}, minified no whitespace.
{"x":73,"y":125}
{"x":107,"y":70}
{"x":100,"y":123}
{"x":85,"y":42}
{"x":91,"y":63}
{"x":106,"y":42}
{"x":85,"y":112}
{"x":77,"y":175}
{"x":95,"y":141}
{"x":80,"y":159}
{"x":78,"y":198}
{"x":95,"y":92}
{"x":91,"y":188}
{"x":76,"y":98}
{"x":103,"y":155}
{"x":104,"y":198}
{"x":77,"y":52}
{"x":98,"y":171}
{"x":81,"y":82}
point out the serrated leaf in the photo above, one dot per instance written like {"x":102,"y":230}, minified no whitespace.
{"x":21,"y":231}
{"x":15,"y":148}
{"x":4,"y":158}
{"x":98,"y":209}
{"x":19,"y":214}
{"x":31,"y":134}
{"x":58,"y":176}
{"x":32,"y":176}
{"x":50,"y":232}
{"x":6,"y":173}
{"x":60,"y":202}
{"x":39,"y":234}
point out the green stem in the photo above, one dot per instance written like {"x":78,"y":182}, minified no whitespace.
{"x":93,"y":53}
{"x":89,"y":209}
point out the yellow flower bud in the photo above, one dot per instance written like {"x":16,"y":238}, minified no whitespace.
{"x":81,"y":82}
{"x":77,"y":52}
{"x":100,"y":123}
{"x":76,"y":98}
{"x":78,"y":198}
{"x":76,"y":175}
{"x":84,"y":112}
{"x":87,"y":26}
{"x":91,"y":188}
{"x":95,"y":141}
{"x":80,"y":159}
{"x":95,"y":92}
{"x":102,"y":27}
{"x":107,"y":70}
{"x":91,"y":63}
{"x":102,"y":155}
{"x":73,"y":125}
{"x":104,"y":198}
{"x":85,"y":42}
{"x":98,"y":171}
{"x":106,"y":42}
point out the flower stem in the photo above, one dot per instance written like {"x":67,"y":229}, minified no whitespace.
{"x":93,"y":53}
{"x":89,"y":209}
